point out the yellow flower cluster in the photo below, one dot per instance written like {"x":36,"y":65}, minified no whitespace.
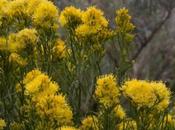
{"x":124,"y":25}
{"x":107,"y":91}
{"x":3,"y":44}
{"x":16,"y":10}
{"x":94,"y":17}
{"x":68,"y":128}
{"x":3,"y":4}
{"x":128,"y":125}
{"x":21,"y":40}
{"x":46,"y":16}
{"x":60,"y":51}
{"x":17,"y":59}
{"x":2,"y":124}
{"x":42,"y":14}
{"x":38,"y":84}
{"x":48,"y":104}
{"x":119,"y":112}
{"x":90,"y":123}
{"x":70,"y":17}
{"x":33,"y":5}
{"x":147,"y":94}
{"x":169,"y":120}
{"x":93,"y":23}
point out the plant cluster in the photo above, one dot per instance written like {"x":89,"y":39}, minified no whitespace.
{"x":51,"y":74}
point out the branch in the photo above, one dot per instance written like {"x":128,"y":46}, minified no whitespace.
{"x":154,"y":32}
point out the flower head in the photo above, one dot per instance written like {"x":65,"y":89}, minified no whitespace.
{"x":119,"y":112}
{"x":124,"y":25}
{"x":54,"y":107}
{"x":21,"y":40}
{"x":60,"y":51}
{"x":46,"y":16}
{"x":70,"y":17}
{"x":17,"y":10}
{"x":90,"y":122}
{"x":107,"y":91}
{"x":38,"y":84}
{"x":17,"y":59}
{"x":2,"y":124}
{"x":68,"y":128}
{"x":94,"y":17}
{"x":147,"y":94}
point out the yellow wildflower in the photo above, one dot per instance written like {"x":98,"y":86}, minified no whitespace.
{"x":123,"y":20}
{"x":86,"y":30}
{"x":31,"y":76}
{"x":2,"y":124}
{"x":119,"y":112}
{"x":3,"y":44}
{"x":163,"y":95}
{"x":107,"y":91}
{"x":90,"y":123}
{"x":38,"y":84}
{"x":46,"y":16}
{"x":41,"y":85}
{"x":16,"y":58}
{"x":33,"y":5}
{"x":3,"y":4}
{"x":55,"y":108}
{"x":169,"y":121}
{"x":94,"y":25}
{"x":139,"y":92}
{"x":22,"y":39}
{"x":124,"y":25}
{"x":70,"y":17}
{"x":17,"y":9}
{"x":127,"y":125}
{"x":94,"y":17}
{"x":27,"y":36}
{"x":147,"y":94}
{"x":60,"y":49}
{"x":68,"y":128}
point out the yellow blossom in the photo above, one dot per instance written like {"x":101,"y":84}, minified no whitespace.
{"x":46,"y":16}
{"x":70,"y":17}
{"x":27,"y":36}
{"x":60,"y":50}
{"x":123,"y":20}
{"x":17,"y":9}
{"x":68,"y":128}
{"x":33,"y":5}
{"x":163,"y":95}
{"x":55,"y":108}
{"x":3,"y":4}
{"x":119,"y":112}
{"x":94,"y":26}
{"x":3,"y":44}
{"x":16,"y":58}
{"x":127,"y":125}
{"x":90,"y":123}
{"x":22,"y":39}
{"x":94,"y":17}
{"x":107,"y":91}
{"x":169,"y":121}
{"x":2,"y":124}
{"x":124,"y":25}
{"x":31,"y":75}
{"x":147,"y":94}
{"x":40,"y":85}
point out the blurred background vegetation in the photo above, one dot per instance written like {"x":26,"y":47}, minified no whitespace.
{"x":153,"y":49}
